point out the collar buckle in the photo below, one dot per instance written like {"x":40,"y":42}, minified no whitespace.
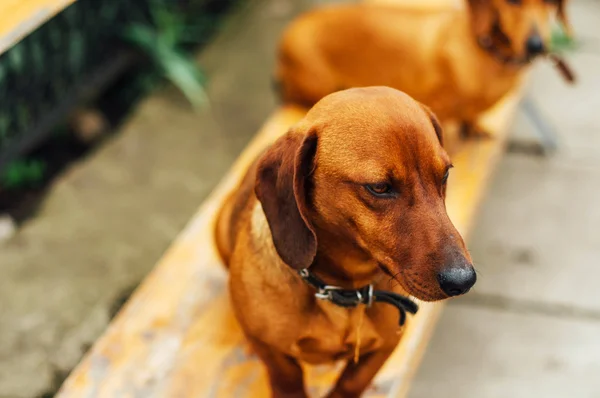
{"x":336,"y":294}
{"x":352,"y":298}
{"x":326,"y":292}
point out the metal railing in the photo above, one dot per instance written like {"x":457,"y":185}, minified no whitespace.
{"x":68,"y":59}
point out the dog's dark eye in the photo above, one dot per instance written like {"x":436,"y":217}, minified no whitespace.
{"x":380,"y":189}
{"x":445,"y":178}
{"x":515,"y":2}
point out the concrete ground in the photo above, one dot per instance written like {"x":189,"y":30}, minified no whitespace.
{"x":529,"y":329}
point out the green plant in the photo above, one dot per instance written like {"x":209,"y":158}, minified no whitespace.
{"x":561,"y":42}
{"x":22,"y":173}
{"x":163,"y":40}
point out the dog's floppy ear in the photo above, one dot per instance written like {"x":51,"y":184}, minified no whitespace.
{"x":280,"y":187}
{"x":436,"y":124}
{"x":482,"y":17}
{"x":562,"y":17}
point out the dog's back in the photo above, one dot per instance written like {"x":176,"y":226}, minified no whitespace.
{"x":315,"y":58}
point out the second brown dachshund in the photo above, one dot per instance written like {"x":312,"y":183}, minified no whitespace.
{"x":459,"y":62}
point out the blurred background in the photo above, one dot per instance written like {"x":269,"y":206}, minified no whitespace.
{"x":118,"y":118}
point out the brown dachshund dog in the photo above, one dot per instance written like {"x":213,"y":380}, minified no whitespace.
{"x":355,"y":194}
{"x":459,"y":62}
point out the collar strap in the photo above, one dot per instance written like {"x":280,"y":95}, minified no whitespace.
{"x":350,"y":298}
{"x":563,"y":68}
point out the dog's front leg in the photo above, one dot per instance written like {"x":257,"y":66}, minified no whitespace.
{"x":472,"y":130}
{"x":285,"y":374}
{"x":357,"y":377}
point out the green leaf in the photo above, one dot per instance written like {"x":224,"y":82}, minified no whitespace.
{"x":560,"y":42}
{"x":22,"y":173}
{"x":144,"y":36}
{"x":185,"y":75}
{"x":161,"y":41}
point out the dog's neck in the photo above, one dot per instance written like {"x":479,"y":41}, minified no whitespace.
{"x":336,"y":264}
{"x":344,"y":265}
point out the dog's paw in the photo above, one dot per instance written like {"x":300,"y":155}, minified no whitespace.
{"x":470,"y":131}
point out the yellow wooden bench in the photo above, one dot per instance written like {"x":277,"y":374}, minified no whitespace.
{"x":18,"y":18}
{"x":177,"y":336}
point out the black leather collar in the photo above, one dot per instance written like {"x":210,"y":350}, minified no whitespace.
{"x":349,"y":298}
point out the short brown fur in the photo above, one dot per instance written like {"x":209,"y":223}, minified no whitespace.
{"x":303,"y":204}
{"x":432,"y":55}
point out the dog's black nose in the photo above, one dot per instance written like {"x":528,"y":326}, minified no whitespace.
{"x":455,"y":281}
{"x":534,"y":45}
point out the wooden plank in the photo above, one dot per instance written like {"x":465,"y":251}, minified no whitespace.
{"x":177,"y":336}
{"x":18,"y":18}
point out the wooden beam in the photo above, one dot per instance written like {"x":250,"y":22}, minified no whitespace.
{"x":18,"y":18}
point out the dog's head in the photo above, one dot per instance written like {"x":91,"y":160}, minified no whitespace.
{"x":520,"y":28}
{"x":365,"y":174}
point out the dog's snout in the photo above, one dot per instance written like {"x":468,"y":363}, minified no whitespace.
{"x":457,"y":280}
{"x":535,"y":45}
